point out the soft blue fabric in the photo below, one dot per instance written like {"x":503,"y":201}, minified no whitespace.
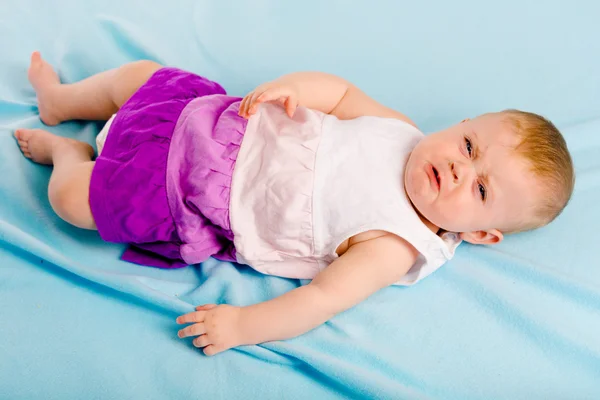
{"x":520,"y":320}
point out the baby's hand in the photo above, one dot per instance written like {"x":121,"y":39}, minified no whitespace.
{"x":217,"y":327}
{"x":284,"y":93}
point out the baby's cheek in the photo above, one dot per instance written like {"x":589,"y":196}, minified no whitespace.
{"x":449,"y":213}
{"x":453,"y":215}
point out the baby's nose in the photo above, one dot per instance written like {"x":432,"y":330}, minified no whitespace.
{"x":460,"y":172}
{"x":454,"y":173}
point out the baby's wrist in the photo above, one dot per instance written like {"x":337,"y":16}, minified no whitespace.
{"x":246,"y":331}
{"x":254,"y":327}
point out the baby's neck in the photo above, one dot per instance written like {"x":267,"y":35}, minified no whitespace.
{"x":433,"y":227}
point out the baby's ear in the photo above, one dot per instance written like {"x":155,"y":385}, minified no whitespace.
{"x":492,"y":236}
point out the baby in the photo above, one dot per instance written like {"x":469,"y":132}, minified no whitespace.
{"x":305,"y":177}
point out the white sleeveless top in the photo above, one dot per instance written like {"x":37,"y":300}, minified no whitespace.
{"x":302,"y":186}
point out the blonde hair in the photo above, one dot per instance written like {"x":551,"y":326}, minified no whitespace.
{"x":543,"y":146}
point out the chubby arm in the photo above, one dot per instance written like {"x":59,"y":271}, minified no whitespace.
{"x":319,"y":91}
{"x":365,"y":268}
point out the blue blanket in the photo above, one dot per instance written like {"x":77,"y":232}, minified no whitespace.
{"x":515,"y":321}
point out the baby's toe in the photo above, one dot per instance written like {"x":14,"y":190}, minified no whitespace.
{"x":36,"y":57}
{"x":23,"y":134}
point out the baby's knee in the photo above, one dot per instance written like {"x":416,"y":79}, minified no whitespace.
{"x":146,"y":67}
{"x":70,"y":201}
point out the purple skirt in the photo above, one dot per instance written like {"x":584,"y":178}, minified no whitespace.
{"x":150,"y":189}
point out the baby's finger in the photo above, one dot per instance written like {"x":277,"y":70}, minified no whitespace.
{"x":205,"y":307}
{"x":272,"y":94}
{"x":201,"y":341}
{"x":241,"y":107}
{"x":249,"y":99}
{"x":290,"y":106}
{"x":211,"y":350}
{"x":254,"y":100}
{"x":196,"y":316}
{"x":244,"y":104}
{"x":269,"y":95}
{"x":192,"y":330}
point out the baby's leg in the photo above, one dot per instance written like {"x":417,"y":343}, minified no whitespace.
{"x":95,"y":98}
{"x":69,"y":186}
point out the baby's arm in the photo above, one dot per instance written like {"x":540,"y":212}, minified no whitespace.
{"x":320,"y":91}
{"x":365,"y":268}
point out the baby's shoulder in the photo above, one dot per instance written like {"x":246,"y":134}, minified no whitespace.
{"x":374,"y":234}
{"x":377,"y":237}
{"x":368,"y":235}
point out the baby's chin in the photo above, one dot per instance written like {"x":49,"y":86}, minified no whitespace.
{"x":420,"y":204}
{"x":430,"y":212}
{"x":419,"y":193}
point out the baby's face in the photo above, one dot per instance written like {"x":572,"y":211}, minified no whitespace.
{"x":467,"y":178}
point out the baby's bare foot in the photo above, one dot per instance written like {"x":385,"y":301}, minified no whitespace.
{"x":42,"y":146}
{"x":45,"y":81}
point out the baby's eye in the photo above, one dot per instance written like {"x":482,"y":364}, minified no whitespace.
{"x":468,"y":146}
{"x":481,"y":191}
